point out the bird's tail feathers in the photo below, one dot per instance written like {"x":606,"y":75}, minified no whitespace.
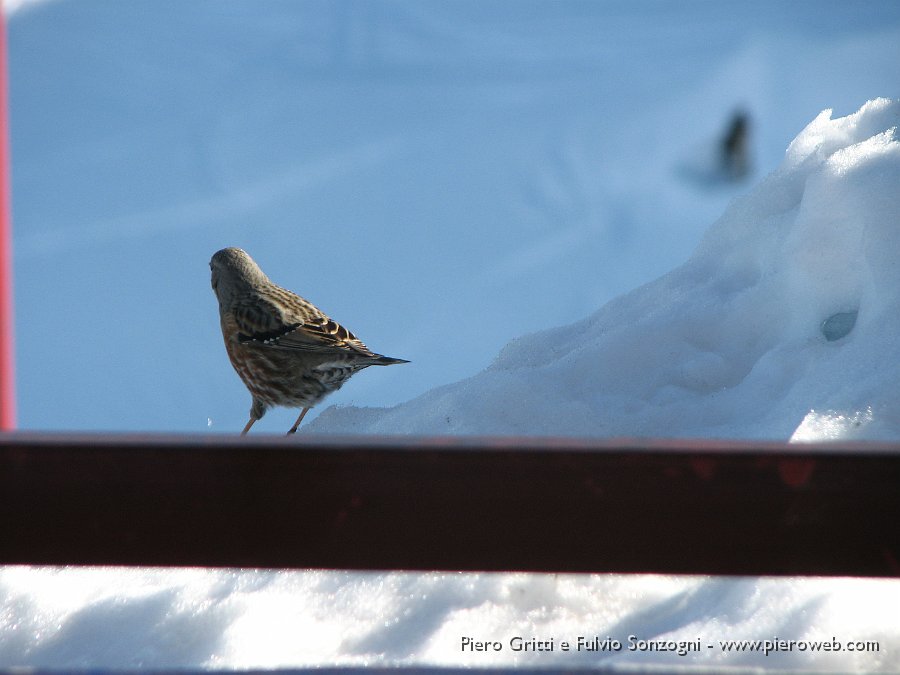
{"x":381,"y":360}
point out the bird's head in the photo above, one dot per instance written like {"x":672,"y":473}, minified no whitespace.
{"x":233,"y":271}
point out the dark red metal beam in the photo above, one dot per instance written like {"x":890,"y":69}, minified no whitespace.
{"x":451,"y":504}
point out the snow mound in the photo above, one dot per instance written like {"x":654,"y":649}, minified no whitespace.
{"x":789,"y":305}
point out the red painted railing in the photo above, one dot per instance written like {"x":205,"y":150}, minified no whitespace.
{"x":538,"y":504}
{"x":7,"y":378}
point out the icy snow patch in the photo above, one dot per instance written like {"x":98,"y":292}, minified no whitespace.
{"x":832,"y":425}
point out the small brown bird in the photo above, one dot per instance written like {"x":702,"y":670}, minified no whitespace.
{"x":286,"y":350}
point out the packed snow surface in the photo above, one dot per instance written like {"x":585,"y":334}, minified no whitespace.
{"x":447,"y":179}
{"x":246,"y":619}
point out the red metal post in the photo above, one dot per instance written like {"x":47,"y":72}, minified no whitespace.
{"x":7,"y":379}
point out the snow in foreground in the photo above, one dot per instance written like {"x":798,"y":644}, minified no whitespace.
{"x":782,"y":324}
{"x":229,"y":619}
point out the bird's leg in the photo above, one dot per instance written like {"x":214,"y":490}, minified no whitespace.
{"x":297,"y":423}
{"x":249,"y":424}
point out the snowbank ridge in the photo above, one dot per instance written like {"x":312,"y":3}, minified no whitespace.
{"x":788,"y":306}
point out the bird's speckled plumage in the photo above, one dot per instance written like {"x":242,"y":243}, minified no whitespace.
{"x":284,"y":348}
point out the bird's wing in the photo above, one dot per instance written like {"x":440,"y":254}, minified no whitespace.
{"x":260,"y":322}
{"x":328,"y":333}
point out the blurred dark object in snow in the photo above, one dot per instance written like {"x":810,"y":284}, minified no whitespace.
{"x":734,"y":146}
{"x":722,"y":161}
{"x":839,"y":325}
